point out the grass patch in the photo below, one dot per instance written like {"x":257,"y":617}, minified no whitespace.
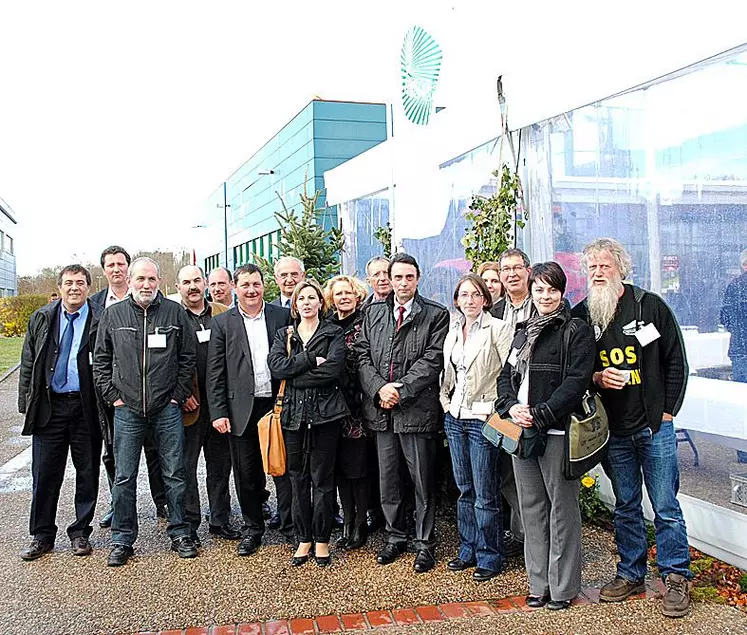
{"x":10,"y":352}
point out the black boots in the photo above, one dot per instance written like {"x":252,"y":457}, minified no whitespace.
{"x":358,"y":538}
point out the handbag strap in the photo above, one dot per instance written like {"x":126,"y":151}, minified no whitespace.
{"x":281,"y":390}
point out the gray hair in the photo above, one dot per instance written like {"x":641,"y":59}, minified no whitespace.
{"x":743,"y":258}
{"x":377,"y":259}
{"x":614,"y":248}
{"x":286,"y":259}
{"x":131,"y":268}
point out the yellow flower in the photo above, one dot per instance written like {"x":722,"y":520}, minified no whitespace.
{"x":588,"y":481}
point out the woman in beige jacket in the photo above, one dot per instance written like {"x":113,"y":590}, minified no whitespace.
{"x":475,"y":350}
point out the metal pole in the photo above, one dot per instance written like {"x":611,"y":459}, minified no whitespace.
{"x":225,"y":224}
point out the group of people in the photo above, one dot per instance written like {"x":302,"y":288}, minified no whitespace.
{"x":368,"y":385}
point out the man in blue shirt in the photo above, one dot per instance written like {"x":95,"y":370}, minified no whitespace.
{"x":56,"y":393}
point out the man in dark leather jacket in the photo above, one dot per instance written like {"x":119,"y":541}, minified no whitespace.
{"x":400,"y":363}
{"x":143,"y":366}
{"x":56,"y":393}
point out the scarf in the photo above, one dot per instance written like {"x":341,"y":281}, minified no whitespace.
{"x":534,"y":327}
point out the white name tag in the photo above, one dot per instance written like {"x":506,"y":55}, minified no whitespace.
{"x":203,"y":335}
{"x":90,"y":359}
{"x":647,"y":334}
{"x":482,"y":408}
{"x":157,"y":340}
{"x":513,"y":357}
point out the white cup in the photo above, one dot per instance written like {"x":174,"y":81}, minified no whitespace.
{"x":625,"y":374}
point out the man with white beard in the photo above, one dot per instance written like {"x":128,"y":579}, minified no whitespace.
{"x":641,"y":374}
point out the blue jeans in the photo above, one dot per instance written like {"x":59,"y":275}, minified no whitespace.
{"x":477,"y":474}
{"x":655,"y":457}
{"x":129,"y":432}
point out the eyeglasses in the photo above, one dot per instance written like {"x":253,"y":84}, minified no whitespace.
{"x":514,"y":269}
{"x":463,"y":295}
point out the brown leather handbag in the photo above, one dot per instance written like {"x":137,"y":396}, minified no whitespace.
{"x":271,"y":441}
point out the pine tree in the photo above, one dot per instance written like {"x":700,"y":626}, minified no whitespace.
{"x":303,"y":237}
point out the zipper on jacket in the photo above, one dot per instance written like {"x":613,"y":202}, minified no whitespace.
{"x":145,"y":351}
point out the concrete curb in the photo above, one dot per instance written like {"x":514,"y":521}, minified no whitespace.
{"x":9,"y":372}
{"x":396,"y":617}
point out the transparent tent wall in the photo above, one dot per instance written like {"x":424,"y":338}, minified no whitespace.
{"x":663,"y":169}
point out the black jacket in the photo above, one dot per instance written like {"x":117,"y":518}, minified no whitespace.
{"x":38,"y":360}
{"x":126,"y":367}
{"x":350,"y":381}
{"x":312,"y":393}
{"x":663,"y":361}
{"x":414,"y":354}
{"x":734,"y":315}
{"x":551,"y":397}
{"x":230,"y":373}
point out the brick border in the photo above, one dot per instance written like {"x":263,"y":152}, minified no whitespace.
{"x":369,"y":620}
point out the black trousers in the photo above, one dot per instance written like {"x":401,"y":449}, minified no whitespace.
{"x":155,"y":480}
{"x":311,"y":455}
{"x":248,"y":472}
{"x":352,"y":479}
{"x":284,"y":493}
{"x":67,"y":428}
{"x":508,"y":491}
{"x":419,"y":453}
{"x":215,"y":446}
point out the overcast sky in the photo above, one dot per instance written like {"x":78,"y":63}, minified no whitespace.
{"x":116,"y":123}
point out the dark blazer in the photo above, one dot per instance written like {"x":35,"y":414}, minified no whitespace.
{"x":38,"y":360}
{"x":230,"y":373}
{"x":277,"y":302}
{"x":98,"y":299}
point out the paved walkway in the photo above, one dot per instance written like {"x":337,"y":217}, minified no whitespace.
{"x":64,"y":594}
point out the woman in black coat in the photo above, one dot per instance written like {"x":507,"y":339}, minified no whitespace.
{"x":313,"y":410}
{"x":536,"y":392}
{"x":346,"y":294}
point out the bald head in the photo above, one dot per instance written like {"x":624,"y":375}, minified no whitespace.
{"x":191,"y":286}
{"x":221,"y":286}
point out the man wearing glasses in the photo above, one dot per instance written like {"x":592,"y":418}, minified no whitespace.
{"x":514,"y":307}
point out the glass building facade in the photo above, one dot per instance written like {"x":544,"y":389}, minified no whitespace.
{"x":8,"y":279}
{"x":322,"y":136}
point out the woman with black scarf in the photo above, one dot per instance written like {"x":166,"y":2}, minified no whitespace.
{"x":345,"y":294}
{"x":536,"y":392}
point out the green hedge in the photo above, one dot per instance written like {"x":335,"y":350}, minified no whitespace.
{"x":16,"y":311}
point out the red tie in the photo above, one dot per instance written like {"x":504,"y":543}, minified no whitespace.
{"x":400,"y":317}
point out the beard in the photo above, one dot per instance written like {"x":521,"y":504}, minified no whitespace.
{"x":603,"y":301}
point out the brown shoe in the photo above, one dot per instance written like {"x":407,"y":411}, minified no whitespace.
{"x":81,"y":546}
{"x":36,"y":549}
{"x":676,"y":601}
{"x":620,"y":589}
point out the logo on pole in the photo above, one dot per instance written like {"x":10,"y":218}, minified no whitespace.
{"x":420,"y":65}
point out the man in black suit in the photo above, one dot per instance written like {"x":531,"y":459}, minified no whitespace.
{"x":114,"y":263}
{"x":57,"y":395}
{"x":241,"y":391}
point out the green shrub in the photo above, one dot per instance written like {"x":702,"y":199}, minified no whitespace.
{"x":743,"y":582}
{"x":15,"y":312}
{"x":701,"y":565}
{"x":707,"y":594}
{"x":593,"y":510}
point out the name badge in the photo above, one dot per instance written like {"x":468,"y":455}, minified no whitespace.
{"x":90,"y":359}
{"x":647,"y":334}
{"x":482,"y":408}
{"x":203,"y":335}
{"x":513,"y":357}
{"x":157,"y":340}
